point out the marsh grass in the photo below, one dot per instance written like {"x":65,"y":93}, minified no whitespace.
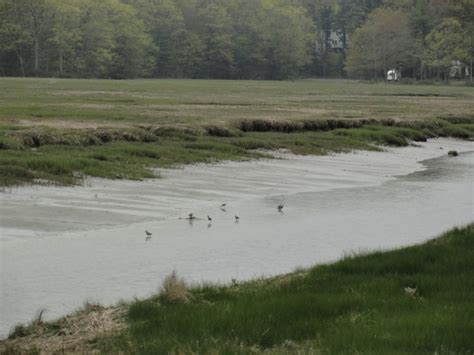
{"x":59,"y":131}
{"x":198,"y":102}
{"x":66,"y":156}
{"x":75,"y":333}
{"x":68,"y":164}
{"x":174,"y":289}
{"x":356,"y":305}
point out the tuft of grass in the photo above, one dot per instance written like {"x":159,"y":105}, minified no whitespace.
{"x":463,"y":132}
{"x":21,"y":330}
{"x":79,"y":137}
{"x":9,"y":143}
{"x":220,"y":131}
{"x":458,"y":118}
{"x":15,"y":350}
{"x":273,"y":125}
{"x":174,"y":289}
{"x":375,"y":134}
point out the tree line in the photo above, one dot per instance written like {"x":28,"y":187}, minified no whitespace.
{"x":421,"y":38}
{"x":233,"y":39}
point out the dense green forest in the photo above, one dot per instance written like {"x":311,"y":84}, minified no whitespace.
{"x":235,"y":39}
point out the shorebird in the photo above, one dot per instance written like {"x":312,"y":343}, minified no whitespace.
{"x":280,"y":207}
{"x":237,"y":218}
{"x":148,"y":235}
{"x":209,"y":218}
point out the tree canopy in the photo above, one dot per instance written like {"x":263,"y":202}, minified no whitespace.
{"x":233,"y":39}
{"x":384,"y":42}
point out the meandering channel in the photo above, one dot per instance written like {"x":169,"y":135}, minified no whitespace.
{"x":60,"y":247}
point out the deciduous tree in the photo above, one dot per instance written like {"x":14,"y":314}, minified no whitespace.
{"x":385,"y":41}
{"x":445,"y":44}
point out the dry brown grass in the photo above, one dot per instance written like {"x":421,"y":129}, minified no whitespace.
{"x":69,"y":335}
{"x":174,"y":289}
{"x":69,"y":124}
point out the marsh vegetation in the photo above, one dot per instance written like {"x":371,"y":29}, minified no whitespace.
{"x":59,"y":131}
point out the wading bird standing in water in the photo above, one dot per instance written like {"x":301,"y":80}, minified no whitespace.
{"x":280,"y":207}
{"x":148,"y":235}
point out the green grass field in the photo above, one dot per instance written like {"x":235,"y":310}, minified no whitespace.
{"x":60,"y":130}
{"x":411,"y":300}
{"x":96,"y":102}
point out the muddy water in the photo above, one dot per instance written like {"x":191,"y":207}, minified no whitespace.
{"x":61,"y":247}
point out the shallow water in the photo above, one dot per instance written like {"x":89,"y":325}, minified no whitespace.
{"x":74,"y":246}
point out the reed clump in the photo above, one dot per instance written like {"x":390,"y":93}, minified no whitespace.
{"x":287,"y":126}
{"x":174,"y":289}
{"x":34,"y":138}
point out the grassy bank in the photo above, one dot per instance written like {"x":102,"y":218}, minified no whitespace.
{"x":416,"y":299}
{"x":58,"y":131}
{"x":65,"y":156}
